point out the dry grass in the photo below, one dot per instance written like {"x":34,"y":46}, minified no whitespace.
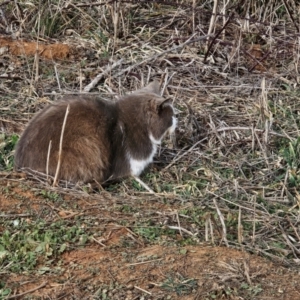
{"x":233,"y":175}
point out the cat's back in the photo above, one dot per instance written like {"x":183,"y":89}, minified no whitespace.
{"x":85,"y":114}
{"x":80,"y":106}
{"x":89,"y":124}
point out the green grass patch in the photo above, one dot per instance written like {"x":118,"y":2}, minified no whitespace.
{"x":24,"y":244}
{"x":7,"y":144}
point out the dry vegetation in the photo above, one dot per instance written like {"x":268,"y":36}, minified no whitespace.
{"x":224,"y":222}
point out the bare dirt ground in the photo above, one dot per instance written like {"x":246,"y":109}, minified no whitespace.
{"x":224,"y":220}
{"x":121,"y":265}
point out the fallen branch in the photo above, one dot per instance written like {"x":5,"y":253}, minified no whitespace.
{"x":249,"y":128}
{"x":154,"y":57}
{"x":101,"y":75}
{"x":27,"y":292}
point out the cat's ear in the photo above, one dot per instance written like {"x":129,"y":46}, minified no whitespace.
{"x":164,"y":104}
{"x":152,"y":87}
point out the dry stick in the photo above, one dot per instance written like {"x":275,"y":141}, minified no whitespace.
{"x":37,"y":52}
{"x":193,"y":17}
{"x":291,"y":16}
{"x":144,"y":185}
{"x":253,"y":130}
{"x":2,"y":15}
{"x":213,"y":18}
{"x":262,"y":149}
{"x":178,"y":221}
{"x":60,"y":145}
{"x":15,"y":216}
{"x":285,"y":182}
{"x":213,"y":127}
{"x":86,"y":5}
{"x":211,"y":230}
{"x":216,"y":36}
{"x":27,"y":292}
{"x":295,"y":229}
{"x":167,"y":81}
{"x":230,"y":202}
{"x":257,"y":61}
{"x":254,"y":223}
{"x":292,"y":247}
{"x":57,"y":78}
{"x":115,"y":10}
{"x":240,"y":228}
{"x":183,"y":154}
{"x":206,"y":230}
{"x":246,"y":272}
{"x":223,"y":11}
{"x":253,"y":137}
{"x":48,"y":158}
{"x":138,"y":288}
{"x":101,"y":75}
{"x":149,"y":59}
{"x":145,"y":262}
{"x":222,"y":222}
{"x":181,"y":229}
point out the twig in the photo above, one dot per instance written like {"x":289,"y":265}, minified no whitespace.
{"x":183,"y":154}
{"x":144,"y":185}
{"x":138,"y":288}
{"x":249,"y":128}
{"x":216,"y":36}
{"x":246,"y":272}
{"x":149,"y":59}
{"x":3,"y":17}
{"x":15,"y":216}
{"x":254,"y":222}
{"x":48,"y":158}
{"x":27,"y":292}
{"x":57,"y":77}
{"x":101,"y":75}
{"x":101,"y":244}
{"x":60,"y":145}
{"x":181,"y":229}
{"x":222,"y":222}
{"x":240,"y":227}
{"x":291,"y":16}
{"x":212,"y":20}
{"x":87,"y":4}
{"x":178,"y":221}
{"x":144,"y":262}
{"x":257,"y":61}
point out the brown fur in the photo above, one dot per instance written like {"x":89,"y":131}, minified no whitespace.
{"x":98,"y":137}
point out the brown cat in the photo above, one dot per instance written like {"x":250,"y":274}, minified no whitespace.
{"x":102,"y":140}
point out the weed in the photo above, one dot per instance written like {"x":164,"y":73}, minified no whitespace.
{"x":7,"y":144}
{"x":52,"y":196}
{"x":24,"y":244}
{"x":4,"y":292}
{"x":179,"y":284}
{"x":291,"y":154}
{"x":251,"y":290}
{"x":153,"y":233}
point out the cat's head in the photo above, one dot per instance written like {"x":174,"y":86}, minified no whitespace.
{"x":159,"y":112}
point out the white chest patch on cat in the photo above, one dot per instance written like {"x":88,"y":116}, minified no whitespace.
{"x":137,"y":166}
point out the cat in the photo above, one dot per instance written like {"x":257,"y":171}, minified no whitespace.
{"x":102,"y":140}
